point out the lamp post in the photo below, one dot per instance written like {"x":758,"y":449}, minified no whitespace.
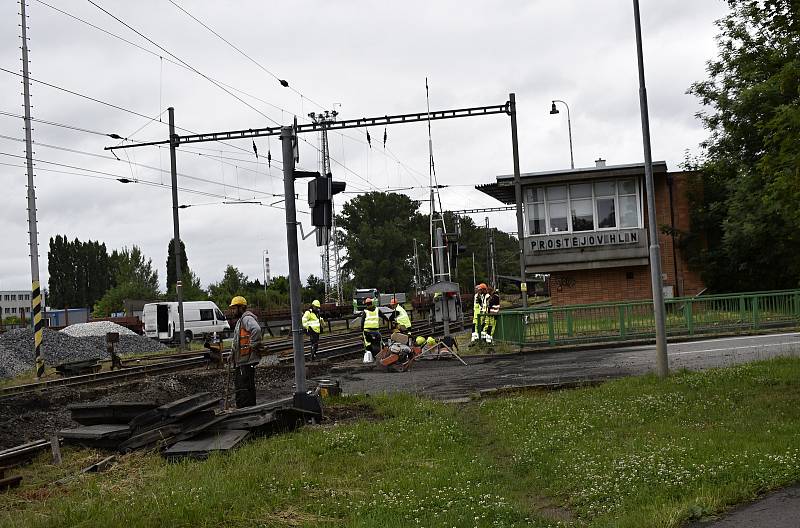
{"x":662,"y":363}
{"x":553,"y":111}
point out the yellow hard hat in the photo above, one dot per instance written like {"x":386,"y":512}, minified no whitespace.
{"x":420,"y":340}
{"x":315,"y":303}
{"x":431,"y":341}
{"x":238,"y":301}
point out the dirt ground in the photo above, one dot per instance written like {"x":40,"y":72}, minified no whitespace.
{"x":27,"y":418}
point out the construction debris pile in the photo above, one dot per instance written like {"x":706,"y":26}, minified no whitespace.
{"x":191,"y":427}
{"x":96,"y":329}
{"x":16,"y":348}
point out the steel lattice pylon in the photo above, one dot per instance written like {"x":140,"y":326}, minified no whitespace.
{"x":330,"y":253}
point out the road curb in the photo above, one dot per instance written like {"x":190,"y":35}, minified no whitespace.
{"x":626,"y":344}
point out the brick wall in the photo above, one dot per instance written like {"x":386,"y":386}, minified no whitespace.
{"x":633,"y":282}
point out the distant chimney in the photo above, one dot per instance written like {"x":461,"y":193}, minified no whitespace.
{"x":599,"y":162}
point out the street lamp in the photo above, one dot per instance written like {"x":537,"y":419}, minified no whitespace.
{"x":659,"y":316}
{"x":553,"y":111}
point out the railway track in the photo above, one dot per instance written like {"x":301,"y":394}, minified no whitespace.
{"x":333,"y":348}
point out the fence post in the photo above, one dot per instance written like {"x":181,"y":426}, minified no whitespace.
{"x":754,"y":301}
{"x":569,"y":323}
{"x":623,"y":308}
{"x":687,"y":308}
{"x":797,"y":306}
{"x":551,"y":335}
{"x":742,"y":308}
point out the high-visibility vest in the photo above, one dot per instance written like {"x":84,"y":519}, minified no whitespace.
{"x":244,"y":342}
{"x":402,"y":317}
{"x":372,"y":319}
{"x":310,"y":320}
{"x":476,"y":309}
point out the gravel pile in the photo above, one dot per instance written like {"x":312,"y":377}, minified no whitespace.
{"x":16,"y":348}
{"x":96,"y":328}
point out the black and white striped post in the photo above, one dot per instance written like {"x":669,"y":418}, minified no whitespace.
{"x":36,"y":290}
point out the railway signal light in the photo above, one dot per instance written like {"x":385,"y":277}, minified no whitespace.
{"x":320,"y":198}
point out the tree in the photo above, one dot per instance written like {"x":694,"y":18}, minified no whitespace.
{"x":79,"y":272}
{"x":746,"y":222}
{"x":192,"y":289}
{"x":233,"y":283}
{"x":171,"y":264}
{"x":377,"y":230}
{"x":314,"y":289}
{"x":135,"y":278}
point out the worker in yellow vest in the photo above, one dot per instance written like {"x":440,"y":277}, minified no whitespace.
{"x":245,"y":352}
{"x":478,"y":309}
{"x":399,"y":316}
{"x":371,"y":326}
{"x":492,"y":308}
{"x":312,"y":324}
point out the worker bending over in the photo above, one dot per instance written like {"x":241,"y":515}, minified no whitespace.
{"x":312,"y":324}
{"x":246,"y":352}
{"x":399,"y":316}
{"x":371,"y":326}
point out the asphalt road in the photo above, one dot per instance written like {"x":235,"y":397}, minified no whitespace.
{"x":780,"y":509}
{"x":450,"y":379}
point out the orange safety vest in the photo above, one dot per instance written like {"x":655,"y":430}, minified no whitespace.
{"x":244,"y":341}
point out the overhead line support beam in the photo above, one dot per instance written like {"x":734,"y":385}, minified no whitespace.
{"x":335,"y":125}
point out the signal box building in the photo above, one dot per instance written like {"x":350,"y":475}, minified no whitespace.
{"x":587,"y":228}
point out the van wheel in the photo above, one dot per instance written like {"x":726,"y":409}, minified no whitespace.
{"x":188,"y":336}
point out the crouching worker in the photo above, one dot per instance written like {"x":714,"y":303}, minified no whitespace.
{"x":245,"y":352}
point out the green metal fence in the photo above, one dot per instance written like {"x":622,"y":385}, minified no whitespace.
{"x":685,"y":316}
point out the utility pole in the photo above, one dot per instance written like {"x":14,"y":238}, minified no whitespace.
{"x":176,"y":241}
{"x":440,"y":247}
{"x":488,"y":255}
{"x":662,"y":360}
{"x":474,"y":280}
{"x":33,"y":227}
{"x":523,"y":286}
{"x":417,"y":279}
{"x":287,"y":140}
{"x":266,"y":270}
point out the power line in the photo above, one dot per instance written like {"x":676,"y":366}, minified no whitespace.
{"x":103,"y":175}
{"x":282,"y":82}
{"x":210,"y":80}
{"x":158,"y":169}
{"x":218,"y":82}
{"x":220,"y":158}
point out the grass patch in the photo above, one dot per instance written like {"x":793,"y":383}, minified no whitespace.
{"x":638,"y":452}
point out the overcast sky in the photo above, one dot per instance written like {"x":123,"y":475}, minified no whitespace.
{"x":368,"y":59}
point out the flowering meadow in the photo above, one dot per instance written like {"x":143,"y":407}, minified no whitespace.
{"x":637,"y":452}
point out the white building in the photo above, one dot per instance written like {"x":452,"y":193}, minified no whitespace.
{"x":16,"y":303}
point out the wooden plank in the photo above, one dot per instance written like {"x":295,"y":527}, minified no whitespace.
{"x":250,"y":422}
{"x":201,"y":446}
{"x":10,"y":482}
{"x":165,"y":433}
{"x":96,"y":432}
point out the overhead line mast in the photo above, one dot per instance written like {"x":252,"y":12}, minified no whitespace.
{"x":33,"y":228}
{"x":331,"y":272}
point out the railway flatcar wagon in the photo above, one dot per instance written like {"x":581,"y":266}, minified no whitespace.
{"x":200,"y":318}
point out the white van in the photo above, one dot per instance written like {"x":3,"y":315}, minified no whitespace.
{"x":200,"y":318}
